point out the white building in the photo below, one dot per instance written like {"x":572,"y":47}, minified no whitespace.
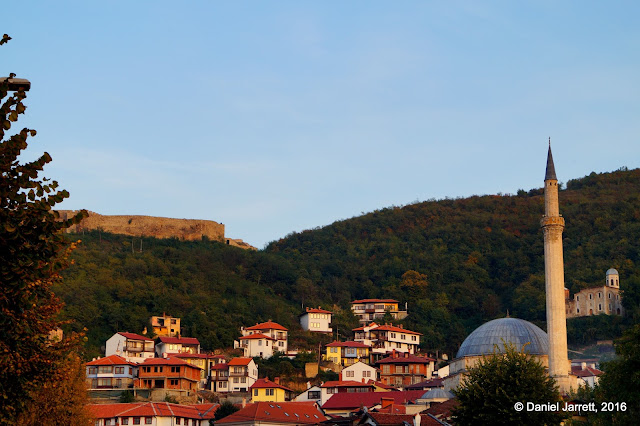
{"x":132,"y":347}
{"x":258,"y":344}
{"x":243,"y":372}
{"x":360,"y":372}
{"x":596,"y":300}
{"x":368,"y":310}
{"x":111,"y":372}
{"x":312,"y":393}
{"x":386,"y":338}
{"x":177,"y":345}
{"x":275,"y":331}
{"x":316,"y":319}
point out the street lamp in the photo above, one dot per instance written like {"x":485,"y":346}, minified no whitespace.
{"x":16,"y":84}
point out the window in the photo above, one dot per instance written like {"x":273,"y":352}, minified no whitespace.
{"x":269,"y":392}
{"x":148,"y":420}
{"x":105,"y":369}
{"x":223,"y":384}
{"x":366,"y":374}
{"x":599,"y":295}
{"x":414,"y":338}
{"x":599,"y":306}
{"x":399,"y":369}
{"x":243,"y":380}
{"x":331,"y":390}
{"x":259,"y":342}
{"x":119,"y":370}
{"x":350,"y":374}
{"x":255,"y":392}
{"x":590,"y":296}
{"x":386,"y":369}
{"x":174,"y":382}
{"x":136,"y":420}
{"x":178,"y":420}
{"x":334,"y":350}
{"x":93,"y":370}
{"x":280,"y":343}
{"x":235,"y":380}
{"x":393,"y":335}
{"x":314,"y":395}
{"x":175,"y":369}
{"x":124,"y":420}
{"x":403,"y":337}
{"x":146,"y":369}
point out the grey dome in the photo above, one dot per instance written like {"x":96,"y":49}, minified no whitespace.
{"x":512,"y":330}
{"x":612,"y":272}
{"x":437,"y":393}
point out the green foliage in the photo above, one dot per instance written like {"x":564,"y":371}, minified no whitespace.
{"x":225,"y":409}
{"x":32,"y":254}
{"x":170,"y":398}
{"x":127,"y":396}
{"x":621,"y":381}
{"x":499,"y":381}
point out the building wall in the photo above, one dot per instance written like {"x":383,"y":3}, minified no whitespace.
{"x":359,"y":372}
{"x":268,"y":395}
{"x":595,"y":301}
{"x":118,"y":345}
{"x":316,"y":322}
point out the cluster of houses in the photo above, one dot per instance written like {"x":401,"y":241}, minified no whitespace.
{"x":381,"y":374}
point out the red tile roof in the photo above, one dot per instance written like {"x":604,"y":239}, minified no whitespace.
{"x":167,"y":361}
{"x":180,"y":340}
{"x":277,"y":412}
{"x":442,"y":410}
{"x":190,"y":355}
{"x":240,"y":361}
{"x":148,"y":409}
{"x":349,"y":344}
{"x":408,"y":359}
{"x":110,"y":360}
{"x":385,"y":419}
{"x":381,"y":385}
{"x":344,"y":384}
{"x":221,"y":366}
{"x":431,"y":383}
{"x":369,"y":399}
{"x":257,"y":336}
{"x":375,"y":301}
{"x":317,"y":311}
{"x":587,"y":372}
{"x":268,"y":384}
{"x":394,"y":328}
{"x":269,"y":325}
{"x":134,"y":336}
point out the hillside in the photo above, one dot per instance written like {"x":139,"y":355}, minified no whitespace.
{"x":456,"y":262}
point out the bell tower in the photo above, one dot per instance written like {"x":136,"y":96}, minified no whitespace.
{"x":552,"y":226}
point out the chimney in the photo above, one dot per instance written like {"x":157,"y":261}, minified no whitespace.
{"x":584,"y":365}
{"x":276,"y":380}
{"x":386,"y":403}
{"x":244,"y":401}
{"x":416,"y":419}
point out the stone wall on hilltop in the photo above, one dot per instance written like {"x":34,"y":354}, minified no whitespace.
{"x":149,"y":226}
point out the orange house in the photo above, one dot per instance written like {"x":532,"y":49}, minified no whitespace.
{"x":167,"y":373}
{"x":402,"y":369}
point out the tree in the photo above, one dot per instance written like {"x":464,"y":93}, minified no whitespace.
{"x":492,"y":388}
{"x":225,"y":409}
{"x":33,"y":367}
{"x":620,"y":382}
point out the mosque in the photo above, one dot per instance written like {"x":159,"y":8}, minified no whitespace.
{"x":550,"y":349}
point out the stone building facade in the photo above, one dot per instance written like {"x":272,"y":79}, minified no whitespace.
{"x":596,"y":300}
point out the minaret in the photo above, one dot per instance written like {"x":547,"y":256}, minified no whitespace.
{"x":552,"y":225}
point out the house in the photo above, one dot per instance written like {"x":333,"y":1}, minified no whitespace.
{"x":166,"y":346}
{"x":436,"y":383}
{"x":219,"y":378}
{"x":258,"y":344}
{"x":264,"y":390}
{"x":347,"y":353}
{"x":165,"y":326}
{"x":111,"y":372}
{"x":199,"y":360}
{"x":345,"y":402}
{"x":316,"y":320}
{"x":360,"y":372}
{"x":368,"y":310}
{"x":386,"y":338}
{"x":132,"y":347}
{"x":152,"y":413}
{"x":587,"y":375}
{"x":169,"y":376}
{"x":271,"y":413}
{"x":275,"y":331}
{"x":311,"y":394}
{"x":403,"y":369}
{"x":243,"y":373}
{"x":330,"y":388}
{"x":596,"y":300}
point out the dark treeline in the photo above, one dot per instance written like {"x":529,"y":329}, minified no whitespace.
{"x":456,"y":262}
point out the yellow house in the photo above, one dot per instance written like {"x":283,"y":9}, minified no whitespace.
{"x":264,"y":390}
{"x":347,"y":353}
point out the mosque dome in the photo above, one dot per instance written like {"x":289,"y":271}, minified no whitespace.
{"x":612,"y":272}
{"x":511,"y":330}
{"x":437,"y":393}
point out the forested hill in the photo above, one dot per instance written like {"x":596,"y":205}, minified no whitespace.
{"x":455,"y":262}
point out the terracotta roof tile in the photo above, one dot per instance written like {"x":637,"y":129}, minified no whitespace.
{"x":269,"y":325}
{"x":268,"y":384}
{"x":587,"y":372}
{"x":375,"y":301}
{"x":180,"y":340}
{"x":257,"y":336}
{"x":349,"y":344}
{"x":409,"y":359}
{"x":167,"y":361}
{"x":240,"y":361}
{"x":277,"y":412}
{"x":384,"y":419}
{"x":396,"y":329}
{"x":110,"y":360}
{"x":134,"y":336}
{"x":146,"y":409}
{"x":316,"y":311}
{"x":369,"y":399}
{"x":344,"y":383}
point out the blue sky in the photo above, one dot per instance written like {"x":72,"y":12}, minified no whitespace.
{"x":280,"y":116}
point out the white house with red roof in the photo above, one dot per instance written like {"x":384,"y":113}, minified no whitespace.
{"x":166,"y":346}
{"x":316,"y":320}
{"x":270,"y":329}
{"x":131,"y":346}
{"x":153,"y":413}
{"x":386,"y":338}
{"x":587,"y":374}
{"x":276,"y":414}
{"x":360,"y":372}
{"x":368,"y":310}
{"x":111,"y":372}
{"x":243,"y":373}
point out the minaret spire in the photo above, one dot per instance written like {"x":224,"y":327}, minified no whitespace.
{"x":552,"y":224}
